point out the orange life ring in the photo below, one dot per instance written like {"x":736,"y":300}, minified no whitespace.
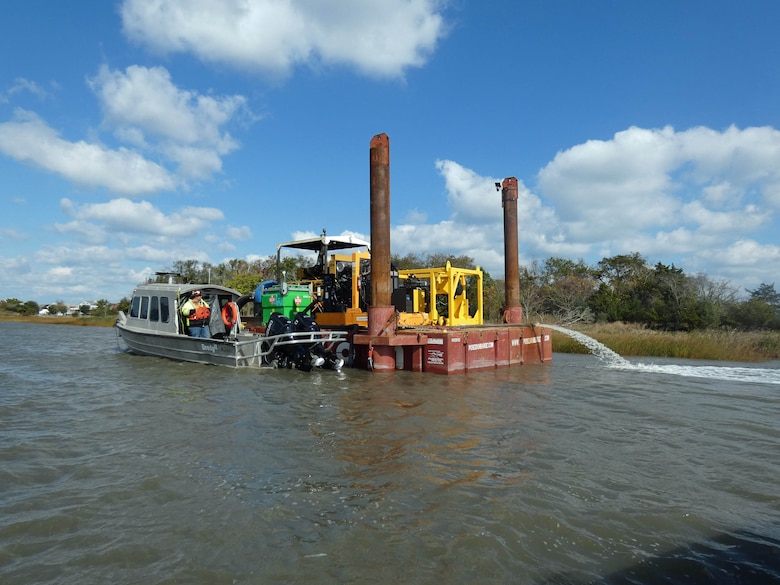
{"x":230,"y":314}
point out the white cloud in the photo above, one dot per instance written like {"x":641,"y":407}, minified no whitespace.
{"x":376,"y":37}
{"x":741,"y":157}
{"x":152,"y":119}
{"x":240,"y":233}
{"x":688,"y":197}
{"x":414,"y":216}
{"x":27,"y":138}
{"x":468,"y":194}
{"x":124,"y":215}
{"x":644,"y":186}
{"x":605,"y":183}
{"x":21,"y":85}
{"x":144,"y":107}
{"x":748,"y":219}
{"x":7,"y":233}
{"x":744,"y":253}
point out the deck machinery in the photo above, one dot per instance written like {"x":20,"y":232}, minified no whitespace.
{"x":336,"y":289}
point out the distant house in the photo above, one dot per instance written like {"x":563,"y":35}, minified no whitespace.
{"x":76,"y":309}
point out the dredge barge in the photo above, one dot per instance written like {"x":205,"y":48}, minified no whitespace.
{"x":351,"y":307}
{"x":420,"y":320}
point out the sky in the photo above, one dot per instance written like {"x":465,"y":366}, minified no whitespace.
{"x":137,"y":133}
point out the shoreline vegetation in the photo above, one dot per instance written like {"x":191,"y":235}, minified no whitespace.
{"x":624,"y":339}
{"x":635,"y":340}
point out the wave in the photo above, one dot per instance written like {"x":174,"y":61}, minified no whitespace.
{"x":737,"y":374}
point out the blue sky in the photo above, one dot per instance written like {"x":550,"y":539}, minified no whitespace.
{"x":136,"y":133}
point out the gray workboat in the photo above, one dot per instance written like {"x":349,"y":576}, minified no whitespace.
{"x":155,"y":326}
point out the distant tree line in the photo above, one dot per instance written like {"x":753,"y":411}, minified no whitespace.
{"x":101,"y":308}
{"x":626,"y":288}
{"x":620,"y":288}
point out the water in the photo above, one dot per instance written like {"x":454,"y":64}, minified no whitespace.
{"x":124,"y":469}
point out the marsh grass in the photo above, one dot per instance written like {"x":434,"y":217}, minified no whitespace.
{"x":632,"y":340}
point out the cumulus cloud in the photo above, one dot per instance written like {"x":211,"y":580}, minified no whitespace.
{"x":29,"y":139}
{"x":141,"y":217}
{"x":375,"y":37}
{"x":468,"y":194}
{"x":689,"y":197}
{"x":644,"y":178}
{"x":145,"y":108}
{"x":744,"y":253}
{"x":155,"y":123}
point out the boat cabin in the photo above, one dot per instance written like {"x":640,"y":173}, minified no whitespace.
{"x":155,"y":307}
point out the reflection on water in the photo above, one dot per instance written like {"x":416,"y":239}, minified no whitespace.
{"x":125,"y":469}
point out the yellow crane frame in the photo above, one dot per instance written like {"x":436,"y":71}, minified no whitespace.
{"x":449,"y":281}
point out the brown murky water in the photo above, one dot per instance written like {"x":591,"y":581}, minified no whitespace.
{"x":119,"y":469}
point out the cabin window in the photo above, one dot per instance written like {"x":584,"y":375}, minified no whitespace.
{"x":144,"y":308}
{"x":165,"y":313}
{"x":135,"y":307}
{"x":154,"y":310}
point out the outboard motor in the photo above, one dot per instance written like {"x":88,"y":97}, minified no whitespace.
{"x":278,"y":324}
{"x":305,"y":358}
{"x":303,"y":355}
{"x":313,"y":354}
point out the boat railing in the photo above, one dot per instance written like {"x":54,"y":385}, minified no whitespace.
{"x":300,"y":337}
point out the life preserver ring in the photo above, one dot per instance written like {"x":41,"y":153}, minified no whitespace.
{"x":230,"y":314}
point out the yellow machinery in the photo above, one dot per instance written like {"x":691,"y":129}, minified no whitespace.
{"x":342,"y":305}
{"x":437,"y":296}
{"x":340,"y":285}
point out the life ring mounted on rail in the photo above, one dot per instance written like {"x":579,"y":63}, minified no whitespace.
{"x":230,"y":314}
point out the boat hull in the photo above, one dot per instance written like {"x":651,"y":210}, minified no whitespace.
{"x":245,"y":351}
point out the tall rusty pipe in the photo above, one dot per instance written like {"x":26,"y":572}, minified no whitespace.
{"x":513,"y":312}
{"x":379,"y":152}
{"x":381,"y":313}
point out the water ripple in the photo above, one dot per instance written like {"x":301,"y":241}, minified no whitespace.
{"x":123,"y":469}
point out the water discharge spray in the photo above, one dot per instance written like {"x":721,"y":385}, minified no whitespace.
{"x":598,"y":349}
{"x":615,"y":360}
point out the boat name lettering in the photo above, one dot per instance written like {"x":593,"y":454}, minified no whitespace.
{"x":477,"y":346}
{"x":211,"y":347}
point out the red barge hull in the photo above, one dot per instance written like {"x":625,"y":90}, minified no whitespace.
{"x":455,"y":350}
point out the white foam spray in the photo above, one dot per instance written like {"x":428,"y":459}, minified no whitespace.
{"x":616,"y":361}
{"x":598,"y":349}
